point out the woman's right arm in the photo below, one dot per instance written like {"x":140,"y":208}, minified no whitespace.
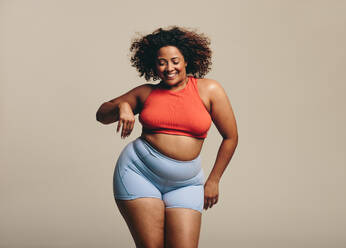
{"x":122,"y":108}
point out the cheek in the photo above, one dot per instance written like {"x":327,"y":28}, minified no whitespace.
{"x":158,"y":69}
{"x":182,"y":68}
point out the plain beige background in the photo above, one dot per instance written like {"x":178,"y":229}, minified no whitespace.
{"x":282,"y":64}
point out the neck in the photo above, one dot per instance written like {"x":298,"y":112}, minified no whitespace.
{"x":177,"y":86}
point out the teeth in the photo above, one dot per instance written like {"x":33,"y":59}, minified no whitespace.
{"x":171,"y":75}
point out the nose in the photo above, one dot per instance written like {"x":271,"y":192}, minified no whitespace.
{"x":170,"y":67}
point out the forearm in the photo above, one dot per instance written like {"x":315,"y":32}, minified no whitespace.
{"x":108,"y":113}
{"x":223,"y":157}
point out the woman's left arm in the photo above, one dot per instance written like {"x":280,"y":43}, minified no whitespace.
{"x":223,"y":117}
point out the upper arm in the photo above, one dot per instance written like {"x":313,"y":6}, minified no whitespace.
{"x":132,"y":97}
{"x":221,"y":111}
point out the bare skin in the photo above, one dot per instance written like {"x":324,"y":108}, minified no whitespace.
{"x":150,"y":223}
{"x":153,"y":225}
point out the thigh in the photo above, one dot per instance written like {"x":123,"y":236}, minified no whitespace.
{"x":182,"y":228}
{"x":183,"y":216}
{"x":145,"y":219}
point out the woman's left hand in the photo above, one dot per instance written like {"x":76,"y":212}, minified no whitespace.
{"x":211,"y":193}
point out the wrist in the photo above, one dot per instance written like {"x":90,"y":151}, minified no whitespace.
{"x":123,"y":105}
{"x":214,"y":179}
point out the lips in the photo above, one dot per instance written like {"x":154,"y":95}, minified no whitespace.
{"x":171,"y":75}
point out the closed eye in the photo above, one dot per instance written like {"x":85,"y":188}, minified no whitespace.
{"x":161,"y":62}
{"x":175,"y":61}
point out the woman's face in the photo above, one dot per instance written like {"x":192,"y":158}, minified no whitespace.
{"x":170,"y":65}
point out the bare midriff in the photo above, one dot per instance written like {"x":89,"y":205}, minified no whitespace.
{"x":178,"y":147}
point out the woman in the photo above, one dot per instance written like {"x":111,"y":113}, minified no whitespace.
{"x":159,"y":184}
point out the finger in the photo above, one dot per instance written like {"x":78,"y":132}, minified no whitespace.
{"x":214,"y":201}
{"x":123,"y":131}
{"x":130,"y":128}
{"x":119,"y":125}
{"x":207,"y":203}
{"x":132,"y":125}
{"x":127,"y":129}
{"x":211,"y":202}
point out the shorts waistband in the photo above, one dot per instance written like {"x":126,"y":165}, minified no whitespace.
{"x":150,"y":149}
{"x":165,"y":167}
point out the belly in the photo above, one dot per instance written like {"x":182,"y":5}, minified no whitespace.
{"x":175,"y":146}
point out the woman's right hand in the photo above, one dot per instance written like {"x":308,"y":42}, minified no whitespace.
{"x":126,"y":119}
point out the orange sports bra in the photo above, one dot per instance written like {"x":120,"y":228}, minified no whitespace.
{"x":181,"y":112}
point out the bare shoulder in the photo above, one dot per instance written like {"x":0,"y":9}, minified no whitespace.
{"x":133,"y":93}
{"x":144,"y":90}
{"x":210,"y":87}
{"x":135,"y":97}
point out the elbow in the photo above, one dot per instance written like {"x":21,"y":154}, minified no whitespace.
{"x":98,"y":117}
{"x":106,"y":113}
{"x":233,"y":138}
{"x":104,"y":119}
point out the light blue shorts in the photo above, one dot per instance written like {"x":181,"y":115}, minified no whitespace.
{"x":142,"y":171}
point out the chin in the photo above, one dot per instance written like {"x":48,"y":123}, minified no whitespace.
{"x":171,"y":81}
{"x":176,"y":79}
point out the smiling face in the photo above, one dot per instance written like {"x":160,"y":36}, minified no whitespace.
{"x":171,"y":65}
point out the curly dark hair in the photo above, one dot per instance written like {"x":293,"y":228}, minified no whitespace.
{"x":193,"y":46}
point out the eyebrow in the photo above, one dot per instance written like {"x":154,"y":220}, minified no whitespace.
{"x":171,"y":58}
